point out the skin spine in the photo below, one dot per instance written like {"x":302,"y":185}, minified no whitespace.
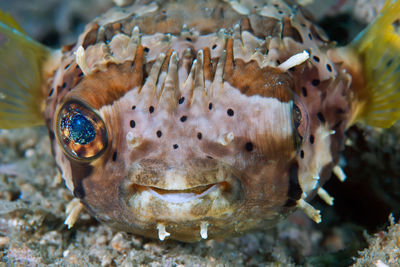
{"x":212,"y":118}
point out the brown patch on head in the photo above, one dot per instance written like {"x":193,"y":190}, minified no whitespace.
{"x":80,"y":171}
{"x":250,"y":79}
{"x":104,"y":87}
{"x":208,"y":67}
{"x":245,"y":25}
{"x":91,"y":35}
{"x":290,"y":31}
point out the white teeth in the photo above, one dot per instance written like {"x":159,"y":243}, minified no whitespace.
{"x":162,"y":234}
{"x":203,"y":230}
{"x":182,"y":197}
{"x":339,"y":173}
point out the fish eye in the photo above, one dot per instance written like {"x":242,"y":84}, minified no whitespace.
{"x":300,"y":122}
{"x":81,"y":131}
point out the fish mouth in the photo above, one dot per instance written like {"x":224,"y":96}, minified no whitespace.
{"x":184,"y":195}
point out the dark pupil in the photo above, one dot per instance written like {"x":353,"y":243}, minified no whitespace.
{"x":296,"y":116}
{"x":81,"y":130}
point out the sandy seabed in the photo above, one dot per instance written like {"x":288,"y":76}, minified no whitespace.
{"x":33,"y":199}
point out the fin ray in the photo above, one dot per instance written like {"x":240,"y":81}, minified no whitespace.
{"x":379,"y":49}
{"x":22,"y":60}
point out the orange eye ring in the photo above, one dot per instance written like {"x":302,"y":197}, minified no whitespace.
{"x":81,"y":131}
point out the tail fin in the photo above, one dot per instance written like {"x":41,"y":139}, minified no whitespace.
{"x":21,"y":62}
{"x":378,"y":47}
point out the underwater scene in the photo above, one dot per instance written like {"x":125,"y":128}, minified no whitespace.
{"x":200,"y":133}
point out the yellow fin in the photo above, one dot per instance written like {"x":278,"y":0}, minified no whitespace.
{"x":378,"y":47}
{"x":21,"y":66}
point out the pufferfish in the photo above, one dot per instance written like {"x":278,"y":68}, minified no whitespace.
{"x":200,"y":119}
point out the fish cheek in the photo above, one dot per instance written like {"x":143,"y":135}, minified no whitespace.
{"x":97,"y":185}
{"x":269,"y":186}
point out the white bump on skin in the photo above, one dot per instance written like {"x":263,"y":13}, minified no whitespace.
{"x":162,"y":233}
{"x":226,"y":138}
{"x":132,"y":140}
{"x":203,"y":230}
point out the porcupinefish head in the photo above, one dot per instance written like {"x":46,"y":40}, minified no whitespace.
{"x":198,"y":119}
{"x":177,"y":130}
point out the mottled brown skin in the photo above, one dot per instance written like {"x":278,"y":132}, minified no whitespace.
{"x":261,"y":173}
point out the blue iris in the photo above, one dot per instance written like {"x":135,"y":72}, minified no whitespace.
{"x":81,"y":130}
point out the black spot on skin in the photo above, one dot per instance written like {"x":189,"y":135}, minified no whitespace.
{"x":230,"y":112}
{"x":249,"y":146}
{"x":321,"y":117}
{"x":151,"y":109}
{"x":183,"y":118}
{"x":132,"y":123}
{"x":310,"y":36}
{"x":209,"y":157}
{"x":159,"y":133}
{"x":315,"y":82}
{"x":181,"y":100}
{"x":295,"y":191}
{"x":80,"y":74}
{"x":302,"y":154}
{"x":133,"y":107}
{"x":114,"y":156}
{"x":213,"y":47}
{"x":146,"y":49}
{"x":210,"y":106}
{"x":304,"y":91}
{"x":51,"y":92}
{"x":175,"y":146}
{"x":199,"y":136}
{"x":329,"y":67}
{"x":339,"y":111}
{"x":64,"y":85}
{"x":312,"y":139}
{"x":66,"y":67}
{"x":188,"y":39}
{"x":316,"y":59}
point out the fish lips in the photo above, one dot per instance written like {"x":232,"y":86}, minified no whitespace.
{"x":181,"y":194}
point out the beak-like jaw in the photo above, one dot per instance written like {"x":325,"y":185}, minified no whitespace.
{"x":172,"y":198}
